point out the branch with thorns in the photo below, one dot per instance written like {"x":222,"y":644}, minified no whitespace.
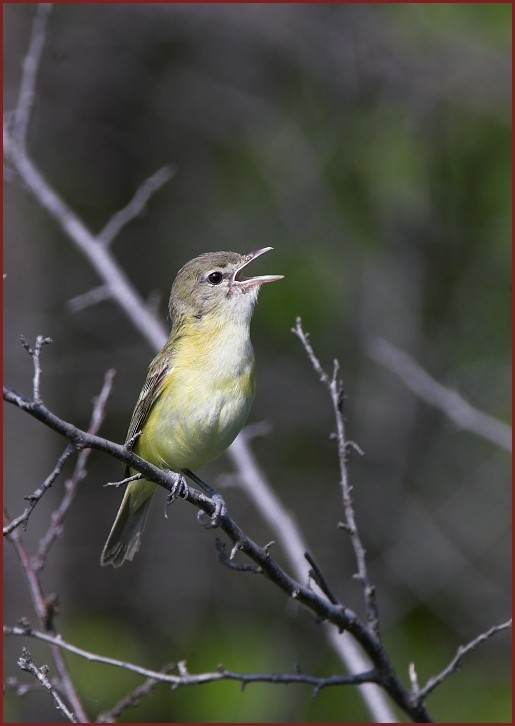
{"x":334,"y":386}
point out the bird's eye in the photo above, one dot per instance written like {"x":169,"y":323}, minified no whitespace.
{"x":215,"y":278}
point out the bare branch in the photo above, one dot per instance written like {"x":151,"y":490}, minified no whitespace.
{"x":339,"y":615}
{"x":184,"y":678}
{"x":45,"y":608}
{"x":87,"y":299}
{"x":120,"y":483}
{"x":23,"y":112}
{"x":27,"y":664}
{"x":101,"y":260}
{"x":227,"y":559}
{"x":71,"y":484}
{"x":279,"y":517}
{"x":421,"y":694}
{"x":79,"y":473}
{"x":132,"y":700}
{"x":35,"y":354}
{"x":454,"y":406}
{"x":137,"y":204}
{"x":34,"y":498}
{"x":335,"y":389}
{"x":318,"y":577}
{"x":15,"y":151}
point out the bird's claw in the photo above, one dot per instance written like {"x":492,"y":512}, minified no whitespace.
{"x":179,"y":489}
{"x":218,"y":514}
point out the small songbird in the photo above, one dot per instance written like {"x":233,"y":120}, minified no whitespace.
{"x":200,"y":387}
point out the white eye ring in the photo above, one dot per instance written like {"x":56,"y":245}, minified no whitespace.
{"x":215,"y":277}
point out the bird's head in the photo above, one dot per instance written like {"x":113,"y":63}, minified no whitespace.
{"x":214,"y":284}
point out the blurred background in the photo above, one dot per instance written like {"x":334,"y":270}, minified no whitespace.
{"x":370,"y":146}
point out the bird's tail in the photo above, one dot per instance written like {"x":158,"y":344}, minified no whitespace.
{"x":125,"y":536}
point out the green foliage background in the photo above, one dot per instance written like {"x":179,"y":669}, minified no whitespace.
{"x":369,"y":144}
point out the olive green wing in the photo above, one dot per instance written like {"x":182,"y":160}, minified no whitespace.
{"x":157,"y":372}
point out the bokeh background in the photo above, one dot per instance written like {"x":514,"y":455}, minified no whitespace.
{"x":369,"y":144}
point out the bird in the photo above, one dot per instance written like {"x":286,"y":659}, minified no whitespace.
{"x":199,"y":388}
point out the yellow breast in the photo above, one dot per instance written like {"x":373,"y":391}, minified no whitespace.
{"x":205,"y":400}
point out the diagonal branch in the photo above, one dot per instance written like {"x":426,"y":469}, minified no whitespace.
{"x":422,"y":693}
{"x":27,"y":664}
{"x":136,"y":205}
{"x":100,"y":258}
{"x":454,"y":406}
{"x":132,"y":700}
{"x":35,"y":497}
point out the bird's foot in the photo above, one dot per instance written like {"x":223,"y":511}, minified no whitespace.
{"x":179,"y":489}
{"x":220,"y":509}
{"x":219,"y":512}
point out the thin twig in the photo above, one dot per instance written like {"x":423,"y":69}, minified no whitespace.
{"x":30,"y":69}
{"x":421,"y":695}
{"x":136,"y":205}
{"x":87,"y":299}
{"x":280,"y":519}
{"x":27,"y":664}
{"x":318,"y":577}
{"x":79,"y":473}
{"x":132,"y":699}
{"x":454,"y":406}
{"x":227,"y":560}
{"x":184,"y":678}
{"x":34,"y":498}
{"x":98,"y":255}
{"x":335,"y":389}
{"x":45,"y":608}
{"x":35,"y":354}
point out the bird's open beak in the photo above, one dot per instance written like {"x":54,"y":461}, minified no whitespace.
{"x":246,"y":283}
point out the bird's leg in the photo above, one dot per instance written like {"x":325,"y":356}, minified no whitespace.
{"x":216,"y":498}
{"x":179,"y":489}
